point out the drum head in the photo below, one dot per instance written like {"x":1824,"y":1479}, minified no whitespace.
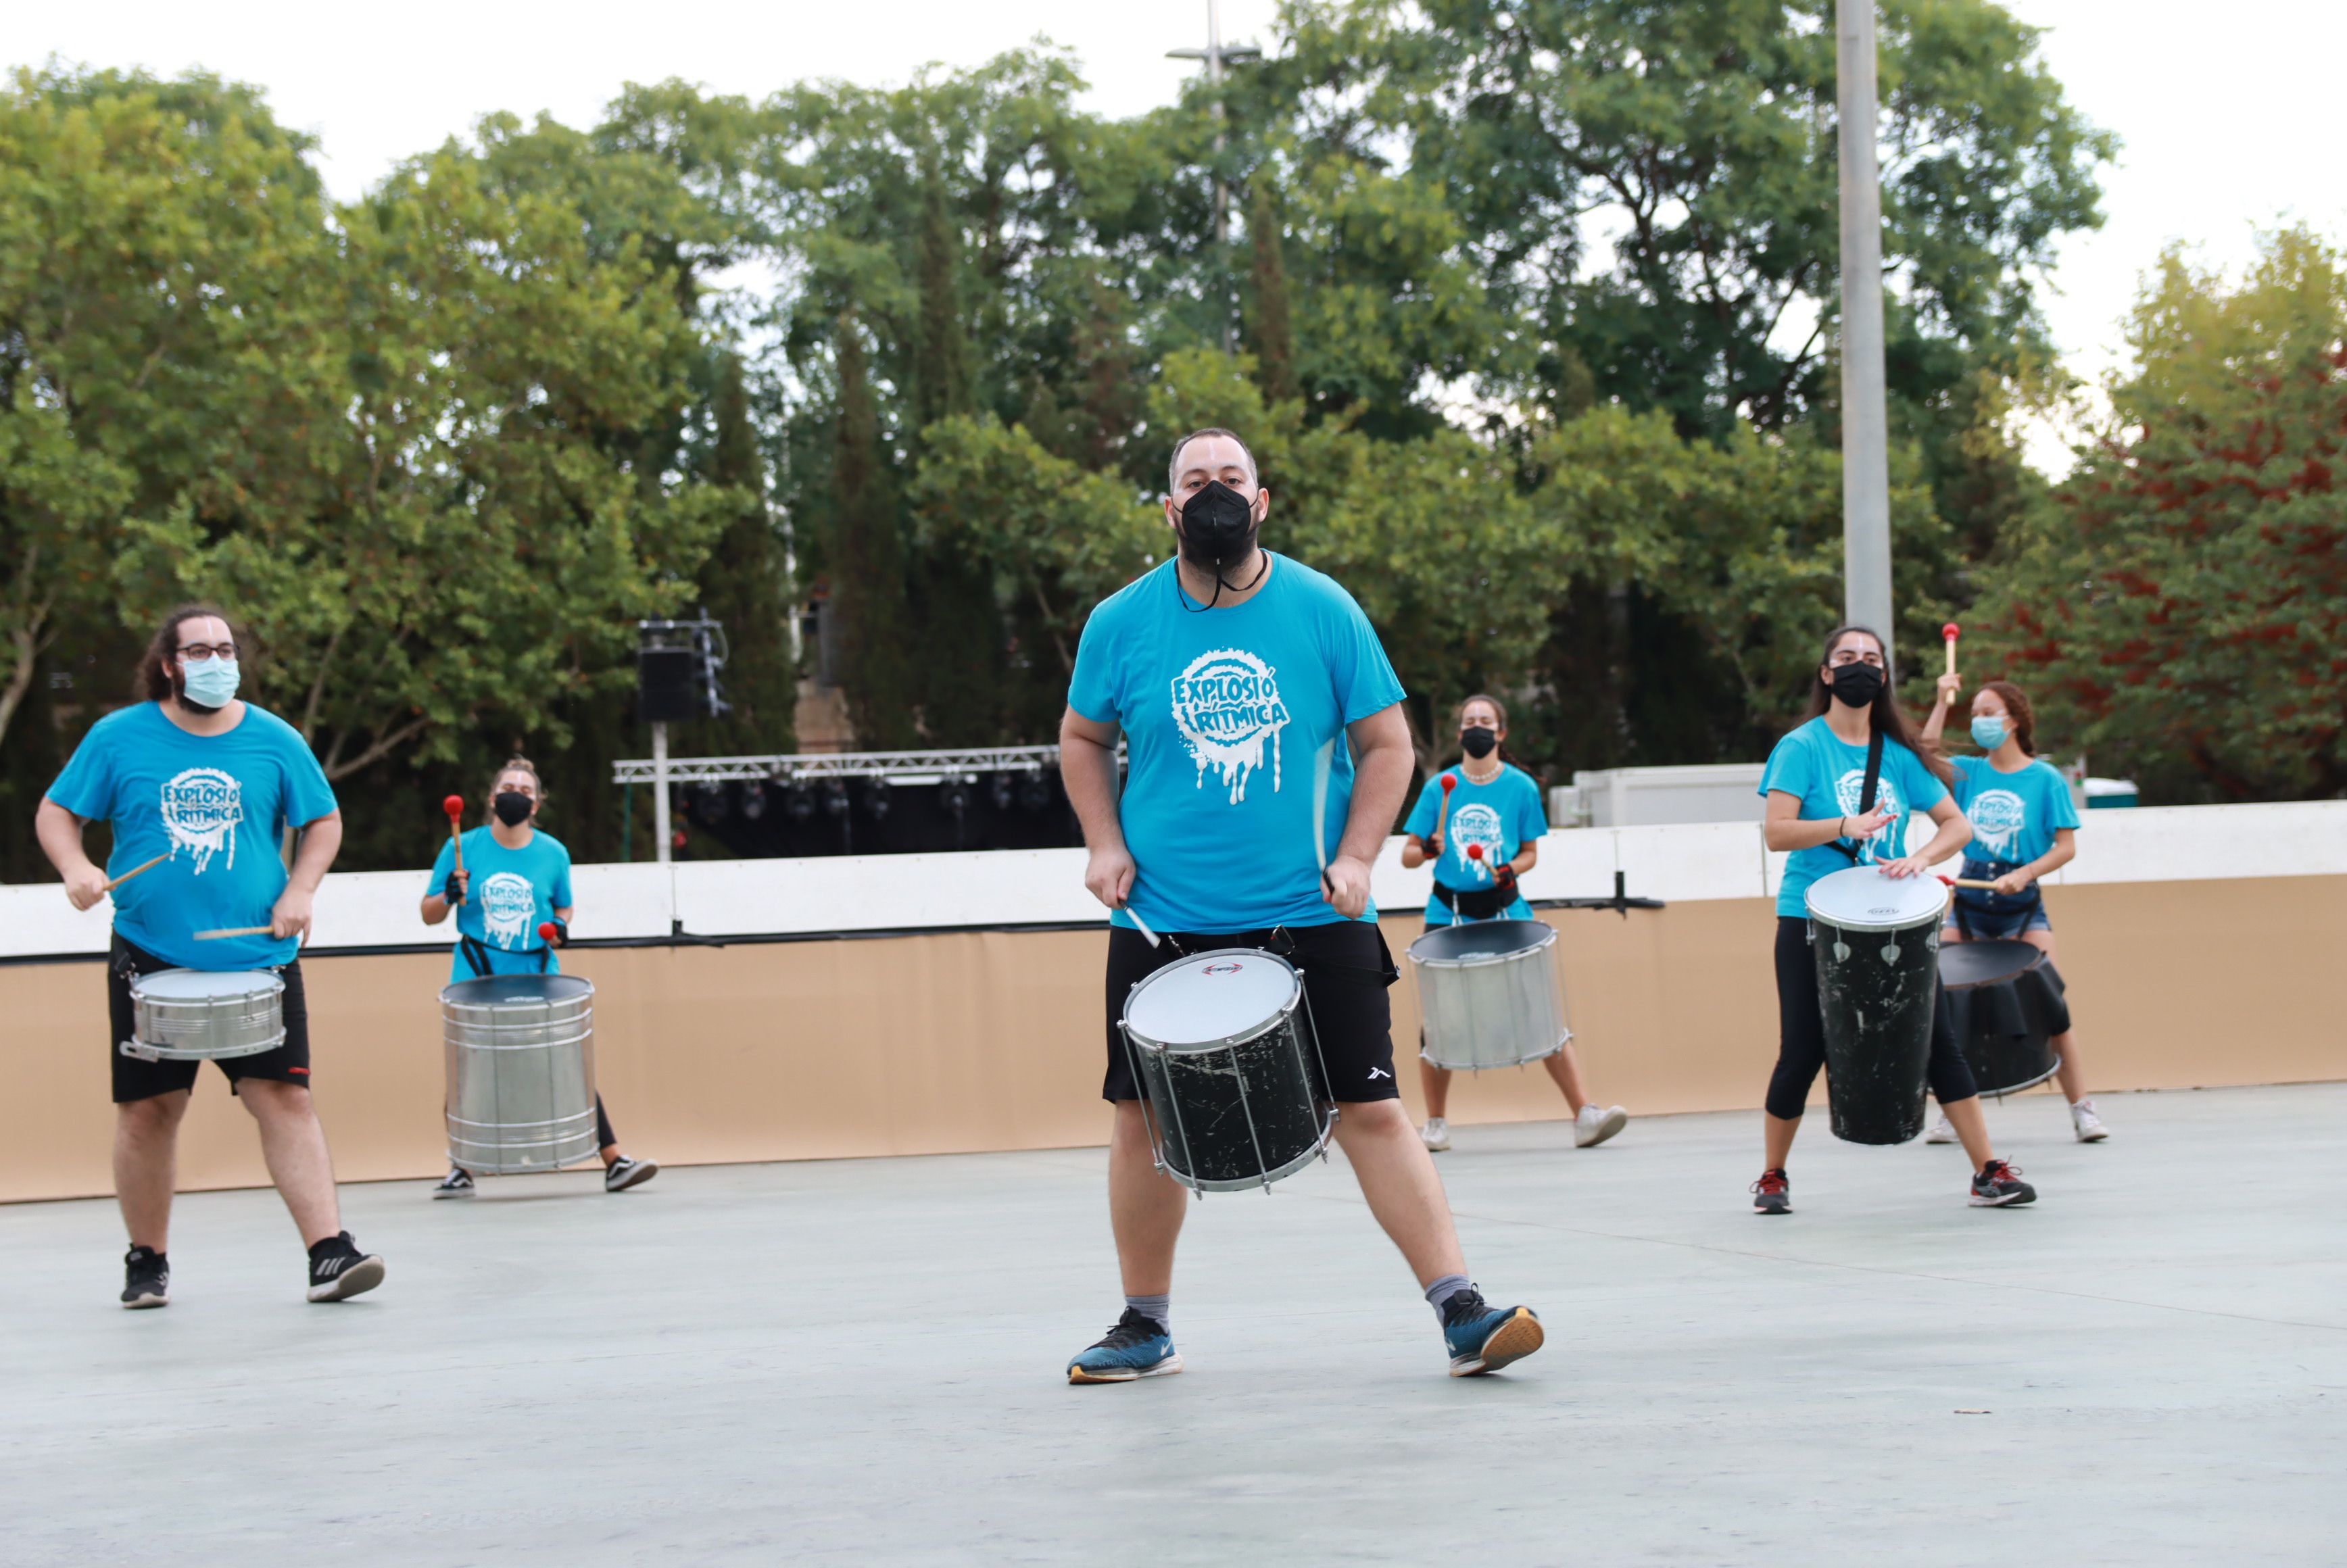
{"x":1863,"y":899}
{"x":490,"y":990}
{"x":1963,"y":964}
{"x":1212,"y":999}
{"x":204,"y":985}
{"x":1473,"y":941}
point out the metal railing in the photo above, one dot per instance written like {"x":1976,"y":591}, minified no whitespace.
{"x":963,"y":766}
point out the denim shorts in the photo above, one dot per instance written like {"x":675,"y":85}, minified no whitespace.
{"x":2009,"y":924}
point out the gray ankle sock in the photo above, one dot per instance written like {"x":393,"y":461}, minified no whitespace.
{"x":1443,"y":1289}
{"x":1157,"y":1308}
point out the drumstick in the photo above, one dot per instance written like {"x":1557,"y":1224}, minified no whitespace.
{"x":1323,"y":761}
{"x":455,"y":807}
{"x":235,"y":931}
{"x":1969,"y":882}
{"x":135,"y":871}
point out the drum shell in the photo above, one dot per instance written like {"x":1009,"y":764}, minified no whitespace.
{"x":2006,"y":1020}
{"x":520,"y":1052}
{"x":1486,"y":1011}
{"x":1878,"y":996}
{"x":217,"y":1028}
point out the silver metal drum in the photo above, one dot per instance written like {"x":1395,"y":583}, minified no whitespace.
{"x":205,"y":1015}
{"x":1490,"y":993}
{"x":1223,"y":1050}
{"x":521,"y":1072}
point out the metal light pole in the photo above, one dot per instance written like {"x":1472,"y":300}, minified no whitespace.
{"x":659,"y":792}
{"x":1216,"y":57}
{"x":1865,"y":418}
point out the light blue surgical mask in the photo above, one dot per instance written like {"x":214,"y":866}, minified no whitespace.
{"x":210,"y":681}
{"x":1988,"y":732}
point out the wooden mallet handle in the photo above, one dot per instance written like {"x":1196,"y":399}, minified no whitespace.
{"x":1442,"y":819}
{"x":1969,"y":882}
{"x":455,"y":807}
{"x":234,"y":931}
{"x":135,"y":871}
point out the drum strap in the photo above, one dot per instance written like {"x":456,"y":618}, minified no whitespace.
{"x":1866,"y":790}
{"x":1474,"y":903}
{"x":476,"y":953}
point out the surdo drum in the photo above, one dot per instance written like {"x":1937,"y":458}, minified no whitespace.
{"x":204,"y":1015}
{"x":1876,"y":939}
{"x":1223,"y":1052}
{"x":1490,"y":994}
{"x":2005,"y":1000}
{"x":521,"y":1072}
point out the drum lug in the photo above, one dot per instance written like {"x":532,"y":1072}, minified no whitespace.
{"x":137,"y":1052}
{"x":1890,"y":953}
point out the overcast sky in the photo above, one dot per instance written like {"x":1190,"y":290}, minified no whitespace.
{"x":2227,"y":111}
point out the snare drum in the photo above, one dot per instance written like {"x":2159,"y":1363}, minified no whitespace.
{"x":1877,"y":944}
{"x":2005,"y":1001}
{"x":1222,"y":1050}
{"x":521,"y":1072}
{"x":204,"y":1015}
{"x":1490,"y":994}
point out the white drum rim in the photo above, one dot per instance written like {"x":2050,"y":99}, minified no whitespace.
{"x":1934,"y":917}
{"x":1287,"y":1010}
{"x":266,"y":982}
{"x":1480,"y":959}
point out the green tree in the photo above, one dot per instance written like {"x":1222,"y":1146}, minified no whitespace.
{"x":866,"y":556}
{"x":2180,"y":612}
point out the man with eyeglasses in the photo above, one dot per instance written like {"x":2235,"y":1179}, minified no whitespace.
{"x":205,"y":785}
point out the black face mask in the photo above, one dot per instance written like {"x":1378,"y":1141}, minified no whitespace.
{"x":1857,"y":684}
{"x":1218,"y":528}
{"x":513,"y":808}
{"x":1478,"y":739}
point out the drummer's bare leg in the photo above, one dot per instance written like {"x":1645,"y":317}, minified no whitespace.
{"x":2072,"y":1073}
{"x":1145,"y":1205}
{"x":1436,"y":1083}
{"x":1566,"y":1067}
{"x":1399,"y":1180}
{"x":147,"y":1164}
{"x":1778,"y":1138}
{"x":294,"y":1146}
{"x":1972,"y":1128}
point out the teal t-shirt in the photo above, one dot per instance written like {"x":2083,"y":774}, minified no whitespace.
{"x":2014,"y":815}
{"x":513,"y":892}
{"x":218,"y":805}
{"x":1829,"y":775}
{"x":1223,"y":711}
{"x":1502,"y":815}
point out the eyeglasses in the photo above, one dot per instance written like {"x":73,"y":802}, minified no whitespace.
{"x":210,"y":650}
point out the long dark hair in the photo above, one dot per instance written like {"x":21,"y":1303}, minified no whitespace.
{"x":1887,"y":721}
{"x":155,"y":683}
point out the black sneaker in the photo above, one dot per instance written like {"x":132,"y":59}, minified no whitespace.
{"x":623,"y":1173}
{"x":457,"y":1183}
{"x":1999,"y":1186}
{"x":1135,"y":1346}
{"x":146,"y":1279}
{"x":338,"y":1270}
{"x":1773,"y":1194}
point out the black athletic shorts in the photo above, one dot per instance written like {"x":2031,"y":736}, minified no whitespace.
{"x":137,"y":1079}
{"x":1346,"y":966}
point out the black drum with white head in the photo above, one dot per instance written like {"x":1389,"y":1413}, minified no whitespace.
{"x":1223,"y":1052}
{"x":2005,"y":1000}
{"x":1876,"y":939}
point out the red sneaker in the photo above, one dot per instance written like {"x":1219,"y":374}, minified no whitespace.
{"x":1772,"y":1194}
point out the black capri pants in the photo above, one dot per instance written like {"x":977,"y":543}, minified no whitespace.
{"x":1801,"y":1033}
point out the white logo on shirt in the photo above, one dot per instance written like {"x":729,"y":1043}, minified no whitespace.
{"x":508,"y":901}
{"x":1997,"y":814}
{"x":201,"y":808}
{"x":1852,"y":788}
{"x":1226,"y":705}
{"x":1478,"y":824}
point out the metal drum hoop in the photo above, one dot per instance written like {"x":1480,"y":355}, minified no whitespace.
{"x":269,"y":991}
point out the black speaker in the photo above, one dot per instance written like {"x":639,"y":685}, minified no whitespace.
{"x":668,"y":685}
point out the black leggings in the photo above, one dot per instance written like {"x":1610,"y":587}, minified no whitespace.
{"x":604,"y":1136}
{"x":1801,"y":1033}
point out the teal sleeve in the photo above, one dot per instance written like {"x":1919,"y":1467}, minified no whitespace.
{"x":2061,"y":811}
{"x":86,"y":787}
{"x":1421,"y":814}
{"x":560,"y":898}
{"x":1923,"y":787}
{"x":1531,"y":813}
{"x":308,"y":796}
{"x":1788,"y":770}
{"x":1092,"y":689}
{"x":1365,"y":678}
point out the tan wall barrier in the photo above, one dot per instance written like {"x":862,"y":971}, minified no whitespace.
{"x":961,"y":1042}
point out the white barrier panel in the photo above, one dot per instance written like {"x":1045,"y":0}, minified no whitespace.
{"x":1680,"y":862}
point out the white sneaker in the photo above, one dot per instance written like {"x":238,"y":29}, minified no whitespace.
{"x":1436,"y":1134}
{"x":1942,"y":1131}
{"x":1594,"y":1125}
{"x":2086,"y":1125}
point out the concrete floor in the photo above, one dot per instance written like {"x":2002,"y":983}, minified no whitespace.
{"x":860,"y":1362}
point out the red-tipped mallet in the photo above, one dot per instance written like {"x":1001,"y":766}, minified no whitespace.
{"x":455,"y":807}
{"x":1442,"y":821}
{"x":1952,"y":632}
{"x":547,"y":931}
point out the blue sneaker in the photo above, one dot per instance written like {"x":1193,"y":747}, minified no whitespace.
{"x":1483,"y":1338}
{"x":1135,"y":1347}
